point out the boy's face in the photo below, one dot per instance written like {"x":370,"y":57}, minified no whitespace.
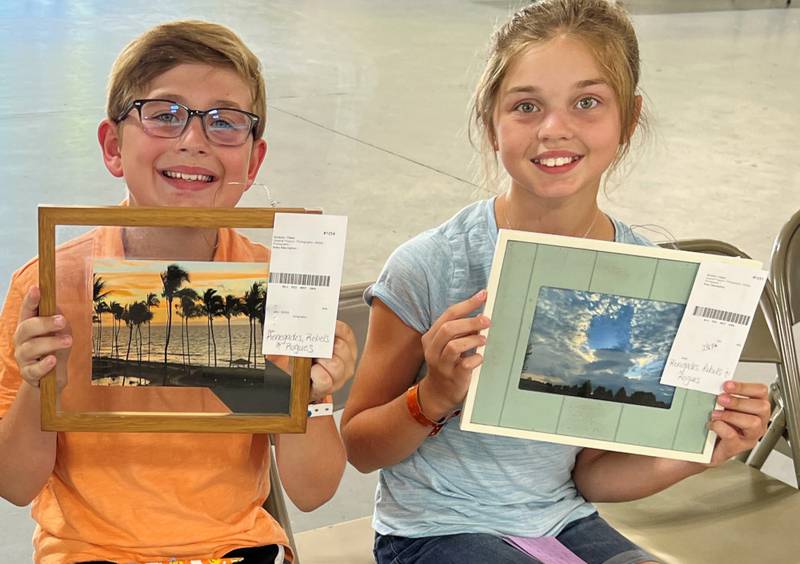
{"x":188,"y":170}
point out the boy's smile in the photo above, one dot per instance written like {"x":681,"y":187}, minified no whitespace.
{"x":187,"y":170}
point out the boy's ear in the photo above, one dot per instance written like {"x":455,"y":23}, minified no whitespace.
{"x":257,"y":155}
{"x":108,"y":134}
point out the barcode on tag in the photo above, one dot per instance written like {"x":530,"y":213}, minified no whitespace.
{"x":298,"y":279}
{"x":721,"y":315}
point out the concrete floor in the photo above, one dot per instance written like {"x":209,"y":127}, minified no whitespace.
{"x":367,"y":118}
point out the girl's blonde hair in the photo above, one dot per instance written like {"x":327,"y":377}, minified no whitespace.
{"x":171,"y":44}
{"x":602,"y":25}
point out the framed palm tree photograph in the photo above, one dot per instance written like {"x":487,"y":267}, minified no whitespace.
{"x":166,"y":309}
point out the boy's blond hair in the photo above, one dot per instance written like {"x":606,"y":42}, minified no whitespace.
{"x":171,"y":44}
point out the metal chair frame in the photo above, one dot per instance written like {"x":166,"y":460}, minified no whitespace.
{"x":769,"y":341}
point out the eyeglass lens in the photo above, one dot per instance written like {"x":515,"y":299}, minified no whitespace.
{"x":222,"y":126}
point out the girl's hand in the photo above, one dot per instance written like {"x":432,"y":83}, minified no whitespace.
{"x":451,"y":336}
{"x":41,"y":343}
{"x":743,"y":421}
{"x":330,"y":374}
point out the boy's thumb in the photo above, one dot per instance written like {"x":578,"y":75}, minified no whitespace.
{"x":30,"y":305}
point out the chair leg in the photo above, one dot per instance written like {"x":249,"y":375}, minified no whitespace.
{"x":761,"y":451}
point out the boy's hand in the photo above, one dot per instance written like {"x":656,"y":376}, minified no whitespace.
{"x":41,"y":343}
{"x":743,"y":421}
{"x":330,"y":374}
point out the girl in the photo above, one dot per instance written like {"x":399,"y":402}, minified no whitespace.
{"x":557,"y":104}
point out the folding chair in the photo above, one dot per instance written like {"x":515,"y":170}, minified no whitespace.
{"x":353,"y":311}
{"x":733,"y":513}
{"x":785,"y":276}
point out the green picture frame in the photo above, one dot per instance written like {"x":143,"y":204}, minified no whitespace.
{"x":562,"y":312}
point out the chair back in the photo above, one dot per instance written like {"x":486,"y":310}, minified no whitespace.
{"x":784,"y":273}
{"x":355,"y":312}
{"x":769,"y":339}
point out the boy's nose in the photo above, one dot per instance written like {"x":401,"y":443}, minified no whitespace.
{"x":193,"y":137}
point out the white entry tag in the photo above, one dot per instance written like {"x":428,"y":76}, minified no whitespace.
{"x":305,"y":277}
{"x":714,"y":328}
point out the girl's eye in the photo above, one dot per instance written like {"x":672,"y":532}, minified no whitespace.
{"x":587,"y":103}
{"x":526,"y":108}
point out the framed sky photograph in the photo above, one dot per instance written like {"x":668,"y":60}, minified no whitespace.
{"x":163,"y":339}
{"x":581,"y":331}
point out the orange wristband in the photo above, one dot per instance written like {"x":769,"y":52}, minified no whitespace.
{"x":415,"y":409}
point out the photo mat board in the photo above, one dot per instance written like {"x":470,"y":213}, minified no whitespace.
{"x":203,"y":381}
{"x":580,"y":333}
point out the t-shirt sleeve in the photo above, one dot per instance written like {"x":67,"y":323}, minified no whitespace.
{"x":413,"y":279}
{"x":10,"y":379}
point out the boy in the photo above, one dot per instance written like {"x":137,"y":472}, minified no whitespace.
{"x":186,"y":114}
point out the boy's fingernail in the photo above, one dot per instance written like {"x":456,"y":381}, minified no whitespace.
{"x":58,"y":320}
{"x":66,"y":339}
{"x":480,"y":295}
{"x":730,"y":386}
{"x":724,"y":400}
{"x":716,"y":414}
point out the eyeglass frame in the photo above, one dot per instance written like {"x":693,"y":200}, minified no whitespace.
{"x":138,"y":103}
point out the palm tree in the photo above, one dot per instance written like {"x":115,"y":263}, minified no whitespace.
{"x":260,"y":314}
{"x":137,"y":314}
{"x":99,"y":293}
{"x":126,"y":317}
{"x":100,"y":308}
{"x":171,"y":279}
{"x":151,"y":301}
{"x":116,"y":311}
{"x":252,"y":299}
{"x":187,"y":308}
{"x":213,"y":306}
{"x":231,"y":308}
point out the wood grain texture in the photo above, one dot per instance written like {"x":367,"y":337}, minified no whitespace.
{"x":55,"y":420}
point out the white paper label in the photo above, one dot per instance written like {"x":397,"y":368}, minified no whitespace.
{"x":715,"y":324}
{"x":304,"y":282}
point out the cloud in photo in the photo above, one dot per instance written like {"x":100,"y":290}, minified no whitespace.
{"x":614,"y":341}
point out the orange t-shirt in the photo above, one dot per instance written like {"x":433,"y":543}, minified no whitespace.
{"x":137,"y":497}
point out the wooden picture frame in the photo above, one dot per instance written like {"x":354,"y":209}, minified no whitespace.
{"x":55,"y":419}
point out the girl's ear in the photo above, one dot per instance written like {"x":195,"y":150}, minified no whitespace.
{"x":109,"y":136}
{"x":637,"y":112}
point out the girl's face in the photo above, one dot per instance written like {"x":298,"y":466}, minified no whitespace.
{"x":557,"y":121}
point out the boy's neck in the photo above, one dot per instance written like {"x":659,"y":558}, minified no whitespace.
{"x":169,"y":243}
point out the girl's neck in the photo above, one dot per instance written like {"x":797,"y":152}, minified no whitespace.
{"x":169,"y":243}
{"x":573,"y":218}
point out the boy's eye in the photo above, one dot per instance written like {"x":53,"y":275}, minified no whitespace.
{"x":221,"y":124}
{"x":526,"y":107}
{"x":587,"y":103}
{"x":165,"y":118}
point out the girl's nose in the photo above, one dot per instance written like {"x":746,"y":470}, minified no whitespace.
{"x":555,"y":125}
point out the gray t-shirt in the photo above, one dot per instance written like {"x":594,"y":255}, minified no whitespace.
{"x":459,"y":481}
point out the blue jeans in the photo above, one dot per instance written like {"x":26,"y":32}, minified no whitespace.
{"x":591,"y":539}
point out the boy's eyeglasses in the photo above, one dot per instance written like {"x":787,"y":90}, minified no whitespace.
{"x":165,"y":118}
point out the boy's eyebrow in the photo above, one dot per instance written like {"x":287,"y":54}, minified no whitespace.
{"x":220,"y":103}
{"x":534,"y":89}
